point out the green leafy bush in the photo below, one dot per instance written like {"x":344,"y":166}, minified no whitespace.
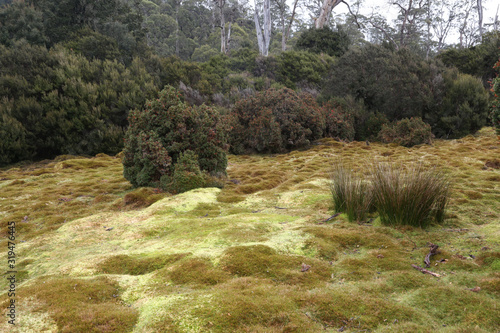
{"x":301,"y":67}
{"x":55,"y":102}
{"x":365,"y":124}
{"x":406,"y":132}
{"x":333,"y":43}
{"x":274,"y":121}
{"x":476,"y":60}
{"x":398,"y":84}
{"x":463,"y":109}
{"x":172,"y":145}
{"x":187,"y":174}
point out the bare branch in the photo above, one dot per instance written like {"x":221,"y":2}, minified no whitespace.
{"x":354,"y":15}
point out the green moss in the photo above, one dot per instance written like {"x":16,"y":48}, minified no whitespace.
{"x":253,"y":305}
{"x":354,"y":309}
{"x":263,"y":261}
{"x":137,"y":265}
{"x":195,"y":271}
{"x":408,"y":280}
{"x":81,"y":305}
{"x":456,"y":306}
{"x":360,"y":276}
{"x":348,"y":237}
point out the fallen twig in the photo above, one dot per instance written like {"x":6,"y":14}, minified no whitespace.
{"x":423,"y":270}
{"x":432,"y":252}
{"x":332,"y":217}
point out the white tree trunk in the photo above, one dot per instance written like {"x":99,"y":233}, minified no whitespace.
{"x":263,"y":39}
{"x":325,"y":11}
{"x":267,"y":24}
{"x":258,"y":30}
{"x":480,"y":17}
{"x":223,"y":43}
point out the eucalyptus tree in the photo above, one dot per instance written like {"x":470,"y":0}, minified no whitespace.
{"x":286,"y":19}
{"x":264,"y":32}
{"x":325,"y":11}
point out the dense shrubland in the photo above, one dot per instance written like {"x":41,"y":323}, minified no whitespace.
{"x":401,"y":85}
{"x":68,"y":84}
{"x":57,"y":102}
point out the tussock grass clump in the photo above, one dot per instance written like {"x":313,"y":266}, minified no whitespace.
{"x":351,"y":195}
{"x":414,"y":196}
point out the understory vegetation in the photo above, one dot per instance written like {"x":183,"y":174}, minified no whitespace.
{"x":263,"y":254}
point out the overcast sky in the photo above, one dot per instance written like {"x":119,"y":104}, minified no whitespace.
{"x":385,"y":8}
{"x":490,"y":7}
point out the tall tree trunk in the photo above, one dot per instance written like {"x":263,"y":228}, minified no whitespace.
{"x":220,"y":4}
{"x":325,"y":11}
{"x":258,"y":30}
{"x":263,"y":38}
{"x":428,"y":22}
{"x":177,"y":4}
{"x":267,"y":24}
{"x":463,"y":27}
{"x":480,"y":17}
{"x":495,"y":24}
{"x":228,"y":39}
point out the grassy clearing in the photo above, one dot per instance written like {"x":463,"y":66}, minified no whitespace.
{"x":256,"y":256}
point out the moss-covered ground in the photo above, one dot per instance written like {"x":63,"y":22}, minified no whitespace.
{"x":95,"y":255}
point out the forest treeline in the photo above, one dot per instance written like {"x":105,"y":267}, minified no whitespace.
{"x":72,"y":70}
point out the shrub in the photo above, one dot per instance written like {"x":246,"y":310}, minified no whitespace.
{"x":275,"y":120}
{"x":333,"y":43}
{"x":495,"y":104}
{"x":173,"y":145}
{"x":301,"y":67}
{"x":365,"y":124}
{"x":55,"y":102}
{"x":401,"y":85}
{"x":406,"y":132}
{"x":476,"y":60}
{"x":350,"y":194}
{"x":187,"y":174}
{"x":464,"y":108}
{"x":413,"y":196}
